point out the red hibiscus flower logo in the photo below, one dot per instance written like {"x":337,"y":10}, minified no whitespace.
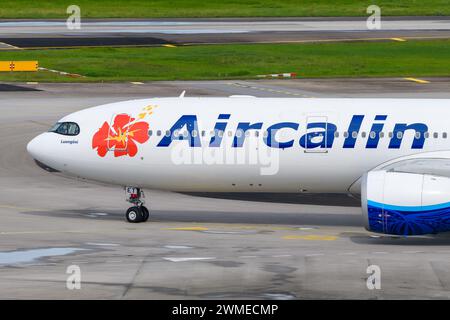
{"x":121,"y":137}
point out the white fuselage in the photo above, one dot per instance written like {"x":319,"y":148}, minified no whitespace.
{"x":319,"y":152}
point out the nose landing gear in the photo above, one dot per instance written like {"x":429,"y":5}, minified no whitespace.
{"x":138,"y":212}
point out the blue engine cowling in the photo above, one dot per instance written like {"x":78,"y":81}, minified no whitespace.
{"x":402,"y":203}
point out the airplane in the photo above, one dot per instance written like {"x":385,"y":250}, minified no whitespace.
{"x":392,"y":153}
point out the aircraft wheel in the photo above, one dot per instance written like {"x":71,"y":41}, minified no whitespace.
{"x":134,"y":215}
{"x":145,"y":213}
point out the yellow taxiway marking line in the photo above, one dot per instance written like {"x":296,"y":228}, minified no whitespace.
{"x":188,"y":229}
{"x":317,"y":40}
{"x":310,"y":237}
{"x":416,"y":80}
{"x":398,"y":39}
{"x":32,"y":82}
{"x":169,"y":46}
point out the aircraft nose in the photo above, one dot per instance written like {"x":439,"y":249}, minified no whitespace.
{"x":35,"y":149}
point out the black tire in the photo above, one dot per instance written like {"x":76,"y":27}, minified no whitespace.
{"x":145,"y":214}
{"x":134,"y":215}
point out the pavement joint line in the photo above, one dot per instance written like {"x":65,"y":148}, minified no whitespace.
{"x":265,"y":89}
{"x":314,"y":255}
{"x":102,"y":244}
{"x":18,"y":208}
{"x":311,"y":237}
{"x":40,"y":232}
{"x":185,"y":259}
{"x":130,"y":284}
{"x":253,"y":227}
{"x":417,"y":80}
{"x":187,"y":229}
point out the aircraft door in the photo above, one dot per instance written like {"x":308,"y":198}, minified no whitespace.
{"x":317,"y":134}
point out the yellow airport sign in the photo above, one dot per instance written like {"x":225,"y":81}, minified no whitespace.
{"x":19,"y":66}
{"x":5,"y":66}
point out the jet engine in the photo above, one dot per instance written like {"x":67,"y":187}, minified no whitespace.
{"x":402,"y":203}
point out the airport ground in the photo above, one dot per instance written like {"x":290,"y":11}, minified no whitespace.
{"x":239,"y":61}
{"x":274,"y":247}
{"x":194,"y":247}
{"x":245,"y":48}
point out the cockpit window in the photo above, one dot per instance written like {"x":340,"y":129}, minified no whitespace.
{"x":66,"y":128}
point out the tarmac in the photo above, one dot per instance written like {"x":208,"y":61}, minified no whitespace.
{"x":33,"y":34}
{"x":285,"y":247}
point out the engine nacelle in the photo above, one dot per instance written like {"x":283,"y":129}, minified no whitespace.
{"x":405,"y":203}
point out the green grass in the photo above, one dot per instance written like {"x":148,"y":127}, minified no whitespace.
{"x":217,"y":8}
{"x":356,"y":59}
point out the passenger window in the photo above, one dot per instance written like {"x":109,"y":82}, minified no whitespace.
{"x":427,"y":135}
{"x":355,"y":134}
{"x":150,"y":133}
{"x":158,"y":133}
{"x":336,"y":134}
{"x":345,"y":134}
{"x":444,"y":135}
{"x":381,"y":134}
{"x":435,"y":135}
{"x":363,"y":134}
{"x":399,"y":134}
